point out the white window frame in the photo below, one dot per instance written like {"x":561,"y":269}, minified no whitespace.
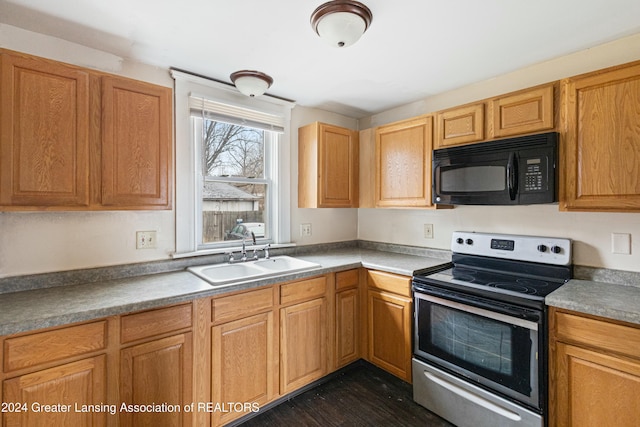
{"x":188,"y":162}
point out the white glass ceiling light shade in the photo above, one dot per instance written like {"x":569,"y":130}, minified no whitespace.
{"x":250,"y":82}
{"x":341,"y":22}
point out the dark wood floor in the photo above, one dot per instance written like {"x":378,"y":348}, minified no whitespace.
{"x":362,"y":395}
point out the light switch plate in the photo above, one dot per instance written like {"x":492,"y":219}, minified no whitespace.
{"x":146,"y":239}
{"x":621,"y":243}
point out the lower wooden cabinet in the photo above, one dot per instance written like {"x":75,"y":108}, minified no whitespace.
{"x":155,"y":373}
{"x":389,"y":317}
{"x":303,"y":344}
{"x":54,"y":397}
{"x":594,"y":373}
{"x":243,"y":364}
{"x":347,"y":317}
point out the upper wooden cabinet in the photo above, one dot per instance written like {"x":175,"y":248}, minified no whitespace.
{"x":136,"y":144}
{"x":77,"y":139}
{"x":403,"y":163}
{"x":44,"y":133}
{"x":327,"y":167}
{"x":601,"y":156}
{"x":527,"y":111}
{"x":460,"y":125}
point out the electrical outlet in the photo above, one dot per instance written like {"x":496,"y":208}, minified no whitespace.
{"x":146,"y":239}
{"x":305,"y":230}
{"x":428,"y":231}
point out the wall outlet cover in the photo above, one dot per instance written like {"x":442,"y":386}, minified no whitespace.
{"x":146,"y":239}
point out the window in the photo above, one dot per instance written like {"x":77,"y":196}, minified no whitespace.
{"x":236,"y":185}
{"x":232,"y":166}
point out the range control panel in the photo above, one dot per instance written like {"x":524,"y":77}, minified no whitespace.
{"x":548,"y":250}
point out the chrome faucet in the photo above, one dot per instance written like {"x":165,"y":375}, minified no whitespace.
{"x":243,"y":253}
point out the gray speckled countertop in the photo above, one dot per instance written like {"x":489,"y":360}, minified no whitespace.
{"x":609,"y":300}
{"x":51,"y":306}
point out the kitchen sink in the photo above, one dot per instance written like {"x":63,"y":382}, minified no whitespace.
{"x":229,"y":274}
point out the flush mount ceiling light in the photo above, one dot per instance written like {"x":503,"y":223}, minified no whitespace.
{"x":341,"y":22}
{"x":251,"y":83}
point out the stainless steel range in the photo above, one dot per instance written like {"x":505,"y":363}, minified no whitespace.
{"x":480,"y":345}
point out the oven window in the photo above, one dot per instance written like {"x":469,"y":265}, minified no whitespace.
{"x":471,"y":343}
{"x":473,"y":339}
{"x":473,"y":179}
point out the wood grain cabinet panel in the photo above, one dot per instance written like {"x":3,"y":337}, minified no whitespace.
{"x":44,"y":133}
{"x":44,"y":347}
{"x":389,"y":331}
{"x":594,"y":371}
{"x":523,"y":112}
{"x":347,"y":327}
{"x":460,"y":125}
{"x":155,"y":322}
{"x":158,"y":371}
{"x":601,"y":156}
{"x":67,"y":387}
{"x":77,"y":139}
{"x":136,"y":144}
{"x":327,"y":166}
{"x":303,"y":344}
{"x":244,"y":363}
{"x":403,"y":163}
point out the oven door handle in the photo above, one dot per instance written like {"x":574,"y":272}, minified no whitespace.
{"x":479,"y":311}
{"x":478,"y":400}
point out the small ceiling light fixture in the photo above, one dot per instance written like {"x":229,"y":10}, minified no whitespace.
{"x":250,"y":82}
{"x":341,"y":22}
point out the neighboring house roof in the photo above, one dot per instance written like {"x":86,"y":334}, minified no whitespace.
{"x":223,"y":191}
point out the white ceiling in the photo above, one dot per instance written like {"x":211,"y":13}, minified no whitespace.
{"x":413,"y":49}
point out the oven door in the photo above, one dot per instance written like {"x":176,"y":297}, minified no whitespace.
{"x":496,"y":349}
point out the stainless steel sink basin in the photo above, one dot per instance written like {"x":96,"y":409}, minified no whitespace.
{"x":229,"y":274}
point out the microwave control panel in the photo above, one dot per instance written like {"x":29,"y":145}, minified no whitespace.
{"x":535,"y":173}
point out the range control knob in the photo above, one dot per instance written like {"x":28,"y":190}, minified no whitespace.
{"x":459,"y":240}
{"x":556,"y":249}
{"x":469,"y":242}
{"x":542,"y":248}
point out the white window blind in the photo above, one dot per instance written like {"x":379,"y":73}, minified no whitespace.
{"x":234,"y":114}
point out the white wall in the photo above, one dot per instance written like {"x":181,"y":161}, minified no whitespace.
{"x":327,"y":225}
{"x":591,"y":232}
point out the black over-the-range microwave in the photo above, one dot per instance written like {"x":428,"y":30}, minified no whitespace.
{"x":513,"y":171}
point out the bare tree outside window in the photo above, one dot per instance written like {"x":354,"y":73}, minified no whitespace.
{"x":232,"y":151}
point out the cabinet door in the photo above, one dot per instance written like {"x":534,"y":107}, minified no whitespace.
{"x":601,"y":151}
{"x":389,"y":330}
{"x":596,"y":389}
{"x":403,"y":164}
{"x":158,"y":372}
{"x":244,"y":363}
{"x":303,"y":344}
{"x":136,"y":144}
{"x":461,"y":125}
{"x":44,"y":134}
{"x":327,"y":166}
{"x":522,"y":112}
{"x":68,"y":388}
{"x":347,"y":331}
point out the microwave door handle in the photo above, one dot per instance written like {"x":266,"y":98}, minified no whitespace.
{"x":512,"y":176}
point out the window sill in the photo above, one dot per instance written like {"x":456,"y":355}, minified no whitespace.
{"x":228,"y":249}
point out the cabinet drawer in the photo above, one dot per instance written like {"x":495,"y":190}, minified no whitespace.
{"x":35,"y":349}
{"x":300,"y":291}
{"x":400,"y":285}
{"x":155,"y":322}
{"x":347,"y":279}
{"x":241,"y":305}
{"x":598,"y":333}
